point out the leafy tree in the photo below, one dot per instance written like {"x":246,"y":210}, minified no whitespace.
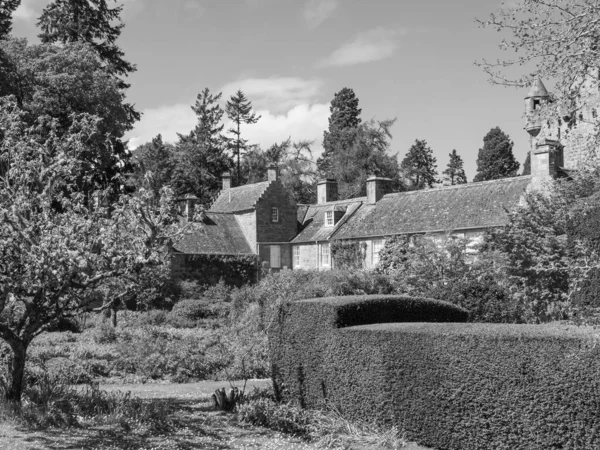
{"x":56,"y":251}
{"x":239,"y":110}
{"x":58,"y":83}
{"x":361,"y":152}
{"x":200,"y":157}
{"x":7,"y":8}
{"x":345,"y":113}
{"x":527,"y":165}
{"x":455,"y":172}
{"x":419,"y":166}
{"x":496,"y":159}
{"x":153,"y":165}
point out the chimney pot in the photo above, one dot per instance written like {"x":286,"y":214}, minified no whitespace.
{"x":226,"y":181}
{"x":272,"y":172}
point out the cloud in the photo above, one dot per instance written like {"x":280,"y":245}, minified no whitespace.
{"x":317,"y":11}
{"x":373,"y":45}
{"x":301,"y":122}
{"x":194,"y":6}
{"x":276,"y":94}
{"x":27,"y":10}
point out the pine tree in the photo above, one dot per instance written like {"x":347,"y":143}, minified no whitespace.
{"x":496,"y":159}
{"x":527,"y":165}
{"x":345,"y":114}
{"x":419,"y":166}
{"x":7,"y":8}
{"x":455,"y":172}
{"x":239,"y":110}
{"x":153,"y":163}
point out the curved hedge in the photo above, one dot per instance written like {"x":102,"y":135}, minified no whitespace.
{"x":303,"y":329}
{"x":448,"y":385}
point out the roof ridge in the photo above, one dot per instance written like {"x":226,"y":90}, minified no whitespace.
{"x":348,"y":200}
{"x":465,"y":185}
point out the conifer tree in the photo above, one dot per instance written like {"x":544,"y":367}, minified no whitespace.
{"x":345,"y":114}
{"x":419,"y":166}
{"x":527,"y":165}
{"x":455,"y":172}
{"x":7,"y":8}
{"x":239,"y":110}
{"x":496,"y":159}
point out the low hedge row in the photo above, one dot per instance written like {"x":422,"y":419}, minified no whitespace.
{"x":302,"y":331}
{"x":448,"y":385}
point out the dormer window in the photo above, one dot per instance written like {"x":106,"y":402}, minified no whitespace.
{"x":274,"y":214}
{"x":329,"y":218}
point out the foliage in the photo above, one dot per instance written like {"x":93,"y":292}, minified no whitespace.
{"x":455,"y":172}
{"x":7,"y":8}
{"x":419,"y":166}
{"x":360,"y":152}
{"x":348,"y":254}
{"x":153,"y":165}
{"x":496,"y":160}
{"x":239,"y":110}
{"x":238,"y":269}
{"x":193,"y":310}
{"x":345,"y":113}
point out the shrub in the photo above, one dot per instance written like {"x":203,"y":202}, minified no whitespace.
{"x":448,"y":385}
{"x":105,"y":333}
{"x":65,"y":324}
{"x":193,"y":310}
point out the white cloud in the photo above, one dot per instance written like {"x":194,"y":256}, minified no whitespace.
{"x":301,"y":122}
{"x":27,"y":10}
{"x":277,"y":94}
{"x":317,"y":11}
{"x":373,"y":45}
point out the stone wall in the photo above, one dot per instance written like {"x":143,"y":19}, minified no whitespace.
{"x":287,"y":226}
{"x":247,"y":222}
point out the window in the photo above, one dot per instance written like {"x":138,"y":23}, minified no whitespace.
{"x":536,"y":103}
{"x":377,"y":247}
{"x":325,"y":257}
{"x":275,"y":256}
{"x":296,"y":262}
{"x":329,"y":218}
{"x":274,"y":214}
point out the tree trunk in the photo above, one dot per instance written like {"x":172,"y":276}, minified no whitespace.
{"x":113,"y":315}
{"x":14,"y":387}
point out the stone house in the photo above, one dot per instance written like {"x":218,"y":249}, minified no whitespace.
{"x":262,"y":219}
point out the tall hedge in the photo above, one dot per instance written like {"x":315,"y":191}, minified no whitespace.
{"x":448,"y":385}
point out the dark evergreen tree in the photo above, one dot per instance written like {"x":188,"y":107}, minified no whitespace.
{"x":345,"y":113}
{"x":455,"y":171}
{"x":7,"y":8}
{"x":239,"y":110}
{"x":419,"y":166}
{"x":496,"y":159}
{"x":527,"y":165}
{"x":153,"y":165}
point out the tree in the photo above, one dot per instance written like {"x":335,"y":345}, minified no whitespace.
{"x":153,"y":165}
{"x":455,"y":172}
{"x":361,"y":152}
{"x":419,"y":166}
{"x":345,"y":113}
{"x":60,"y":82}
{"x":7,"y":8}
{"x":527,"y":165}
{"x":496,"y":159}
{"x":56,"y":250}
{"x":555,"y":40}
{"x":239,"y":110}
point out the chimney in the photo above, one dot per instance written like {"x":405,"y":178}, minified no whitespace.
{"x":272,"y":172}
{"x":327,"y":191}
{"x":377,"y":187}
{"x":546,"y":158}
{"x":190,"y":206}
{"x":226,"y":181}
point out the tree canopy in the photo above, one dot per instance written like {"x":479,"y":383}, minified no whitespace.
{"x":496,"y":160}
{"x":455,"y":171}
{"x":7,"y":8}
{"x":419,"y":166}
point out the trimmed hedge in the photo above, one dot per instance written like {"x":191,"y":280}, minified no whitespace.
{"x":448,"y":385}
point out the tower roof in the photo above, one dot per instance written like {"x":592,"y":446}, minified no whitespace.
{"x":537,"y":89}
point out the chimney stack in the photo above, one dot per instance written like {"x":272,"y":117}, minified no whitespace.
{"x":327,"y":191}
{"x":272,"y":172}
{"x":190,"y":206}
{"x":226,"y":181}
{"x":377,"y":187}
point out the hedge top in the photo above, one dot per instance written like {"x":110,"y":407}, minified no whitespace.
{"x":347,"y":311}
{"x":487,"y":330}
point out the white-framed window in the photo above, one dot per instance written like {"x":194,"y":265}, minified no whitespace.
{"x":325,"y":255}
{"x":296,"y":253}
{"x":377,"y":247}
{"x":275,"y":261}
{"x":329,"y":218}
{"x":274,"y":214}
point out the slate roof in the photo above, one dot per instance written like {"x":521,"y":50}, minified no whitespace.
{"x":537,"y":89}
{"x":313,"y":228}
{"x":239,"y":198}
{"x":220,"y":233}
{"x":467,"y":206}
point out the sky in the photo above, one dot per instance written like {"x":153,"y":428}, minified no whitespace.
{"x":412,"y":60}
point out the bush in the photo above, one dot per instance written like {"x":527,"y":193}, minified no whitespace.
{"x":193,"y":310}
{"x":105,"y":333}
{"x":65,"y":324}
{"x":448,"y":385}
